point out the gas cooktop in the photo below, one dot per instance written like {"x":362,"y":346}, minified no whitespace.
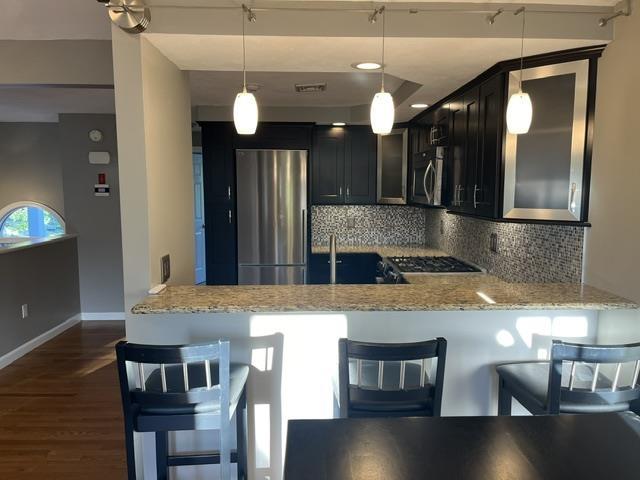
{"x":432,"y":265}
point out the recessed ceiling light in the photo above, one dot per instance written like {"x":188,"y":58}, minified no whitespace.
{"x":419,"y":105}
{"x":367,"y":66}
{"x":338,"y":124}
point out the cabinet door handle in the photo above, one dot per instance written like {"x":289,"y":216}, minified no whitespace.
{"x":348,"y":194}
{"x":339,"y":191}
{"x":229,"y":192}
{"x":230,"y":217}
{"x":475,"y":196}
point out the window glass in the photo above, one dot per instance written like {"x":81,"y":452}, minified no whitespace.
{"x":30,"y":221}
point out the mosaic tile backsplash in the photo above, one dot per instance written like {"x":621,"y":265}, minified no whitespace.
{"x":368,"y":225}
{"x":526,"y":252}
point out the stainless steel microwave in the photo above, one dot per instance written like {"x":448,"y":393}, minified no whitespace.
{"x":426,"y":176}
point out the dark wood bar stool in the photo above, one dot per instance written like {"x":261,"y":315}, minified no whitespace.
{"x":183,"y":387}
{"x":391,"y":379}
{"x":579,"y":379}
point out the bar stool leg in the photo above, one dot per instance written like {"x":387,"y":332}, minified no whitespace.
{"x":129,"y":444}
{"x":241,"y":436}
{"x":162,"y":452}
{"x":504,"y":398}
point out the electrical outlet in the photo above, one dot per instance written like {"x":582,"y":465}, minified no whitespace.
{"x":351,"y":222}
{"x":165,"y":267}
{"x":493,"y":242}
{"x":25,"y":310}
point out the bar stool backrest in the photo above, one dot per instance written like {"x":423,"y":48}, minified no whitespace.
{"x":613,"y":376}
{"x":135,"y":361}
{"x":427,"y":388}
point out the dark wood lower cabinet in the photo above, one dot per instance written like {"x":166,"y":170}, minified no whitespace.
{"x":351,"y":268}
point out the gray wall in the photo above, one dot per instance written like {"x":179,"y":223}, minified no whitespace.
{"x":46,"y":279}
{"x":48,"y":163}
{"x":96,"y":220}
{"x":30,"y":165}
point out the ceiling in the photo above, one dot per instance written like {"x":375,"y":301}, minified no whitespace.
{"x":278,"y":88}
{"x":87,"y":19}
{"x":437,"y":65}
{"x":427,"y":55}
{"x":43,"y":104}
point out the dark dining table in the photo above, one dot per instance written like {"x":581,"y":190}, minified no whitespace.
{"x":567,"y":447}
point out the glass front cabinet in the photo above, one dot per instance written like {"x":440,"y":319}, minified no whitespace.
{"x":545,"y":175}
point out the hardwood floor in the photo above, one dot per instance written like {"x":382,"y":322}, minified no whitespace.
{"x":60,"y":409}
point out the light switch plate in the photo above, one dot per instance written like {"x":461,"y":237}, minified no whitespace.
{"x":165,"y":264}
{"x":493,"y":242}
{"x":351,"y":222}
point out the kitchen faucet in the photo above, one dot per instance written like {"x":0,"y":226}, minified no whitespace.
{"x":332,"y":259}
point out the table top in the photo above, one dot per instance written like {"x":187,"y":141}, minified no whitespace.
{"x":599,"y":446}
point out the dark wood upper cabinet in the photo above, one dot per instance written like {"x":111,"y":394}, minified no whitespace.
{"x":343,"y":166}
{"x":328,"y":162}
{"x":483,"y":163}
{"x":457,"y":164}
{"x":360,"y":165}
{"x":490,"y":133}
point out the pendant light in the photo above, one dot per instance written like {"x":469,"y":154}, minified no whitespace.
{"x":382,"y":108}
{"x":519,"y":109}
{"x":245,"y":107}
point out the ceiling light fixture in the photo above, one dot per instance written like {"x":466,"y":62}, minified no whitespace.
{"x":382,"y":108}
{"x":367,"y":66}
{"x":419,"y":105}
{"x":520,"y":109}
{"x":245,"y":107}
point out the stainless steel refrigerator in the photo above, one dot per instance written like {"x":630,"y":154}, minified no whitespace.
{"x":272,"y":216}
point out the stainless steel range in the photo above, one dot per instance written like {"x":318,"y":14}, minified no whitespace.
{"x":393,"y":269}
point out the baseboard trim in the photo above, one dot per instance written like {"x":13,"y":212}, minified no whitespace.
{"x":101,"y":316}
{"x":22,"y":350}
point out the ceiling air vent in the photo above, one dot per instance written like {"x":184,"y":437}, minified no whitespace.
{"x":310,"y":87}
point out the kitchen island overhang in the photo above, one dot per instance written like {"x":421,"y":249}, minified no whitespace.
{"x":289,"y":335}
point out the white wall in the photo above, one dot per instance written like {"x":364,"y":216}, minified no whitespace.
{"x":612,"y":259}
{"x":153,"y":116}
{"x":167,"y":112}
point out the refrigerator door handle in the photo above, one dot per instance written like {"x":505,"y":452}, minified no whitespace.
{"x":304,"y":234}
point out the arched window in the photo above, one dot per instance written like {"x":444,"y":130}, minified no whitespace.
{"x":30,"y":220}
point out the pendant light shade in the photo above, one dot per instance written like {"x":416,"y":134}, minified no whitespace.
{"x":382,"y":113}
{"x":519,"y":108}
{"x":245,"y":107}
{"x":519,"y":113}
{"x":245,"y":113}
{"x":382,"y":108}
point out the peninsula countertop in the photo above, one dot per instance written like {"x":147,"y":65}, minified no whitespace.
{"x":427,"y":293}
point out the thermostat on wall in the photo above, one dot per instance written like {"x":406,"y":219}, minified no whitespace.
{"x":99,"y":158}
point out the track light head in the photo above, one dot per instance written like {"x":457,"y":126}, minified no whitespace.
{"x":491,"y":19}
{"x":251,"y":16}
{"x":373,"y":18}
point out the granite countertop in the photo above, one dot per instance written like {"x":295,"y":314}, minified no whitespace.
{"x":427,"y":293}
{"x":383,"y":250}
